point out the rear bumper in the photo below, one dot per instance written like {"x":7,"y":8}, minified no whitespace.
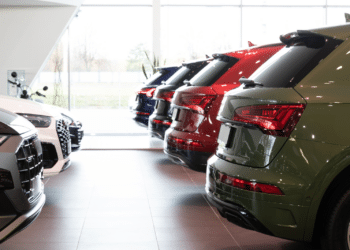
{"x":141,"y":120}
{"x":22,"y":221}
{"x":237,"y":214}
{"x":157,"y":129}
{"x":192,"y":159}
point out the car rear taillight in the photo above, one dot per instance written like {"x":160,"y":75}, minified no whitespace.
{"x":198,"y":103}
{"x":278,"y":120}
{"x":147,"y":92}
{"x":249,"y":185}
{"x":142,"y":113}
{"x":162,"y":122}
{"x":167,"y":95}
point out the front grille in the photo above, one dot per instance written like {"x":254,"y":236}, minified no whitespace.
{"x":30,"y":164}
{"x":76,"y":134}
{"x":62,"y":129}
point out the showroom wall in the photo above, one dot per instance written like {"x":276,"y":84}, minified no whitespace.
{"x":30,"y":29}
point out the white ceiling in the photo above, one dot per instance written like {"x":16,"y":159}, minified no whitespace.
{"x":19,"y":3}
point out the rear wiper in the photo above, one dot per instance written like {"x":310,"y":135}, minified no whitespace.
{"x":187,"y":82}
{"x":249,"y":83}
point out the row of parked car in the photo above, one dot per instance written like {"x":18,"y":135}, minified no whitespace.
{"x":268,"y":125}
{"x":35,"y":142}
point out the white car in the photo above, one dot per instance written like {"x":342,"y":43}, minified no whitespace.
{"x":53,"y":130}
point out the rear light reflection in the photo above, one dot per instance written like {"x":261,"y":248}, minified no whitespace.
{"x":250,"y":186}
{"x":178,"y":142}
{"x":279,"y":120}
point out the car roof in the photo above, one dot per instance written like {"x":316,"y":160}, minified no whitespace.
{"x":340,"y":32}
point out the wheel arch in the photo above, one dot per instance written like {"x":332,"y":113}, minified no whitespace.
{"x":334,"y":181}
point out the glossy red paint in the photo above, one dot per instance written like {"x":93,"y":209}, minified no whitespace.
{"x":200,"y":124}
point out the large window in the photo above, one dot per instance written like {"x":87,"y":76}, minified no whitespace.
{"x":108,"y":41}
{"x":191,"y":32}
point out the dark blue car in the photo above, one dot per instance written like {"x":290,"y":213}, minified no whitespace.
{"x":144,"y":104}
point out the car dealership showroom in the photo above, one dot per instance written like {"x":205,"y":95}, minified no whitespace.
{"x":175,"y":124}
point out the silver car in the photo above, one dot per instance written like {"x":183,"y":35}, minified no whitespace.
{"x":21,"y":171}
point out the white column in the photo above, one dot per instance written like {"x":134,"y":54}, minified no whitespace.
{"x":156,"y":28}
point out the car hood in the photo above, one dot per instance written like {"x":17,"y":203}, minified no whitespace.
{"x":17,"y":105}
{"x":13,"y":124}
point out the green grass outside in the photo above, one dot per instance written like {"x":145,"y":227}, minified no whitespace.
{"x":91,"y":95}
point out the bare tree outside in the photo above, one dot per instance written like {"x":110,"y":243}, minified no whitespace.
{"x":86,"y":53}
{"x":55,"y":64}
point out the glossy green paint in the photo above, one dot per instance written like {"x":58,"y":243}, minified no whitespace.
{"x":294,"y":174}
{"x":307,"y":162}
{"x":325,"y":121}
{"x":251,"y":147}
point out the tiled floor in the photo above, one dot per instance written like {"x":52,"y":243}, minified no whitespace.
{"x":132,"y":199}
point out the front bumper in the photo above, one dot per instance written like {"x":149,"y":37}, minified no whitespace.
{"x":23,"y":220}
{"x":76,"y":135}
{"x":51,"y":142}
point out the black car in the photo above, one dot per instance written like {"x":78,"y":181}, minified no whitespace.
{"x":161,"y":120}
{"x":144,"y":104}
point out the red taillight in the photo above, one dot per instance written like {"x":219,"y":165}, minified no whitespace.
{"x":249,"y":185}
{"x":278,"y":120}
{"x":161,"y":122}
{"x":167,"y":96}
{"x":147,"y":92}
{"x":198,"y":103}
{"x":142,"y":113}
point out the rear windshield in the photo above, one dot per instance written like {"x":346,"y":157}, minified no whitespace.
{"x":213,"y":71}
{"x":176,"y":78}
{"x":154,"y":77}
{"x":291,"y":64}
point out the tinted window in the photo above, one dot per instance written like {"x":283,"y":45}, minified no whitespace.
{"x":176,"y":78}
{"x":212,"y":72}
{"x":291,"y":64}
{"x":153,"y":78}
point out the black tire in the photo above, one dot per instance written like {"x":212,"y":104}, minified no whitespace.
{"x":336,"y":231}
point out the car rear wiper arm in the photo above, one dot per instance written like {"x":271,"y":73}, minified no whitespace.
{"x":249,"y":83}
{"x":187,"y":82}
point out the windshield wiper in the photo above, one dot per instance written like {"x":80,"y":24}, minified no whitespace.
{"x":249,"y":83}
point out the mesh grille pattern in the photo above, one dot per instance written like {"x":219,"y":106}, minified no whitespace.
{"x":64,"y":137}
{"x":30,"y":163}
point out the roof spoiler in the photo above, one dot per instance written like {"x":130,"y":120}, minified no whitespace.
{"x":311,"y":39}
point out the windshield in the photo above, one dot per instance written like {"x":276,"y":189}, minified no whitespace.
{"x":210,"y":73}
{"x":176,"y":78}
{"x":153,"y":78}
{"x":291,"y":64}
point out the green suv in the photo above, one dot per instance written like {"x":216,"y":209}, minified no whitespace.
{"x":282,"y":166}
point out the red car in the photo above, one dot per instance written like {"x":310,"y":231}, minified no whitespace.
{"x":192,"y":137}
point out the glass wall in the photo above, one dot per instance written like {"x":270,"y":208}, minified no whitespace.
{"x":107,"y":42}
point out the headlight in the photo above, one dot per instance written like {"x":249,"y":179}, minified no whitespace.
{"x":3,"y":138}
{"x":68,"y":119}
{"x":39,"y":121}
